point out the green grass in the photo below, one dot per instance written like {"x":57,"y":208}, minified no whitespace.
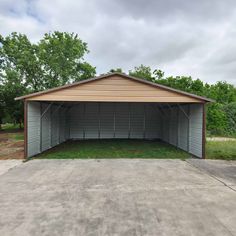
{"x":114,"y":149}
{"x":10,"y":126}
{"x":17,"y":136}
{"x":225,"y":150}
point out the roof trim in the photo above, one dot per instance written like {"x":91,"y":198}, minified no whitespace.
{"x":122,"y":75}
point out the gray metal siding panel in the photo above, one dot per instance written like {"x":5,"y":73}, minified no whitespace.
{"x":153,"y":122}
{"x":173,"y":126}
{"x":195,"y":129}
{"x":122,"y":120}
{"x":91,"y":124}
{"x":76,"y":119}
{"x":183,"y":128}
{"x":137,"y":121}
{"x":33,"y":131}
{"x":54,"y":126}
{"x":106,"y":114}
{"x":46,"y":128}
{"x":114,"y":120}
{"x":62,"y":124}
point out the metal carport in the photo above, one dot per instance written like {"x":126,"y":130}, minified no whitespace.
{"x":114,"y":106}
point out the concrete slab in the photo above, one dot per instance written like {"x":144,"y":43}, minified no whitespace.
{"x":6,"y":165}
{"x":114,"y":197}
{"x":224,"y":171}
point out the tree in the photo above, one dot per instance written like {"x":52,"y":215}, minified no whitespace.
{"x":119,"y":70}
{"x":143,"y":72}
{"x":60,"y":56}
{"x":216,"y":119}
{"x":26,"y":67}
{"x":223,"y":92}
{"x":230,"y":112}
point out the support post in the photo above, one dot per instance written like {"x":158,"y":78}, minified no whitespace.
{"x":177,"y":141}
{"x":25,"y":129}
{"x":204,"y":131}
{"x":188,"y":128}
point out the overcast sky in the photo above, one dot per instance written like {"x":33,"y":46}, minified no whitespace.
{"x":180,"y":37}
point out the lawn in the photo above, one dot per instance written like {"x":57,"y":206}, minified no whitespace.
{"x":114,"y":149}
{"x":221,"y":150}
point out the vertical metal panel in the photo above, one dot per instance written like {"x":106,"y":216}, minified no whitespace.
{"x":183,"y":128}
{"x":122,"y":120}
{"x":152,"y":122}
{"x":111,"y":120}
{"x":62,"y":124}
{"x":195,"y":129}
{"x":91,"y":124}
{"x":46,"y":128}
{"x":136,"y":120}
{"x":77,"y":118}
{"x":107,"y":120}
{"x":54,"y":125}
{"x":173,"y":126}
{"x":33,"y":128}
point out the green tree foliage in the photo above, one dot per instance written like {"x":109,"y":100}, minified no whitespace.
{"x":27,"y":67}
{"x":143,"y":72}
{"x":230,"y":112}
{"x":119,"y":70}
{"x":216,"y":119}
{"x":61,"y":58}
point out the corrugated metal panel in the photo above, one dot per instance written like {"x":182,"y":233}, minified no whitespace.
{"x":77,"y":119}
{"x":46,"y":127}
{"x":107,"y":118}
{"x":153,"y":122}
{"x":62,"y":125}
{"x":183,"y":128}
{"x":137,"y":121}
{"x":195,"y":129}
{"x":33,"y":131}
{"x":55,"y":125}
{"x":114,"y":120}
{"x":122,"y":121}
{"x":173,"y":126}
{"x":91,"y":124}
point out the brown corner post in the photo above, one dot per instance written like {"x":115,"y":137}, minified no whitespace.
{"x":204,"y":131}
{"x":25,"y":128}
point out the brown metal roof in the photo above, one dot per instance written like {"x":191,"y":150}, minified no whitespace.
{"x":202,"y":99}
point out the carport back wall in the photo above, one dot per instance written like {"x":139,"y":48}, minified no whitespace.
{"x":114,"y":120}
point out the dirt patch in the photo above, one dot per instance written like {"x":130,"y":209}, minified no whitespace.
{"x":9,"y":147}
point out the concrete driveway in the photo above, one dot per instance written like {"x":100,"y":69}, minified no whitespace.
{"x":118,"y":197}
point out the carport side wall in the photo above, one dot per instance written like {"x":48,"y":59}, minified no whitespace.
{"x":47,"y":131}
{"x":183,"y":127}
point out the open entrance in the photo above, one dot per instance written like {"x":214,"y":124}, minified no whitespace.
{"x":50,"y":124}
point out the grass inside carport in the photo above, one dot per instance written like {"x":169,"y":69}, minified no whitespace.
{"x":86,"y":149}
